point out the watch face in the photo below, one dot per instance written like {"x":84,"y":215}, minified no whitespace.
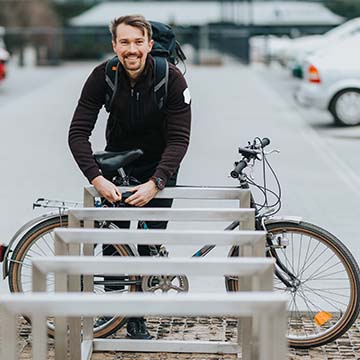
{"x":160,"y":183}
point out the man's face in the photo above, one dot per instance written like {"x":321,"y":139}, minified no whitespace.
{"x":132,"y":46}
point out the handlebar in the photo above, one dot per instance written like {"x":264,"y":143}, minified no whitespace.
{"x":238,"y":169}
{"x":252,"y":151}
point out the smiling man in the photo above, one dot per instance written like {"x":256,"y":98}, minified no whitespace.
{"x":135,"y":121}
{"x":131,"y":47}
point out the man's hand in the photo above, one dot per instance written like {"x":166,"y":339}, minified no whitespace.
{"x":143,"y":194}
{"x":106,"y":189}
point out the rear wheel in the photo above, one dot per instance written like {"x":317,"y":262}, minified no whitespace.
{"x":345,"y":107}
{"x":321,"y":278}
{"x":39,"y":241}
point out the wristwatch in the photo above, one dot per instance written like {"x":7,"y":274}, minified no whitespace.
{"x":159,"y":182}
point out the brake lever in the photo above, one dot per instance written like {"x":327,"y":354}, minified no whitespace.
{"x":271,"y":152}
{"x":251,"y":171}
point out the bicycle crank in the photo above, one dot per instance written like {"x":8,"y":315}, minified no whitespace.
{"x":165,"y":283}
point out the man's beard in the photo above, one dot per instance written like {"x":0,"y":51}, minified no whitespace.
{"x":132,"y":65}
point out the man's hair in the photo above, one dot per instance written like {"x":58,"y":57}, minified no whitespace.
{"x":137,"y":21}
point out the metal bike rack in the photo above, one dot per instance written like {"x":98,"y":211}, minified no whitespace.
{"x":75,"y":241}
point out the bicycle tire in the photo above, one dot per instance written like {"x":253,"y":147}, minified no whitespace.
{"x":333,"y":329}
{"x":29,"y":240}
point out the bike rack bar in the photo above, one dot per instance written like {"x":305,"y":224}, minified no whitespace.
{"x":260,"y":268}
{"x":269,"y":307}
{"x":184,"y":192}
{"x":153,"y":237}
{"x":171,"y":214}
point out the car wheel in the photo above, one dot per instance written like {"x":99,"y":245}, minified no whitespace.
{"x":345,"y":107}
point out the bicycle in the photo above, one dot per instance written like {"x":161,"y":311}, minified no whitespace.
{"x":317,"y":315}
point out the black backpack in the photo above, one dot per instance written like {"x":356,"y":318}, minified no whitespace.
{"x":165,"y":49}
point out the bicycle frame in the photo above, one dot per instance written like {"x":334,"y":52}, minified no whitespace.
{"x":270,"y":252}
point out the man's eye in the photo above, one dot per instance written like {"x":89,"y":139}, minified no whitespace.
{"x":140,"y":42}
{"x":123,"y":42}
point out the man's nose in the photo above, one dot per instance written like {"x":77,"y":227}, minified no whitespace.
{"x":132,"y":47}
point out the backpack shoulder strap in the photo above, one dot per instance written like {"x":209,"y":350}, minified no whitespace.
{"x":161,"y":76}
{"x":111,"y":78}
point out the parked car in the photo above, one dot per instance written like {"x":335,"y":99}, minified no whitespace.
{"x":4,"y":55}
{"x":2,"y":71}
{"x":332,"y":81}
{"x":294,"y":54}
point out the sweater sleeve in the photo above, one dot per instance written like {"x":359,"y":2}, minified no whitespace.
{"x":178,"y":123}
{"x":83,"y":122}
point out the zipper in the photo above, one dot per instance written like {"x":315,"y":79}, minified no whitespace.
{"x":132,"y":110}
{"x":137,"y":114}
{"x":136,"y":119}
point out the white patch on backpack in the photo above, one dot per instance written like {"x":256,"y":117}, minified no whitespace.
{"x":187,"y":96}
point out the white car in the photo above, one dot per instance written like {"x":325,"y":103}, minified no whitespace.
{"x":299,"y":49}
{"x":332,"y":81}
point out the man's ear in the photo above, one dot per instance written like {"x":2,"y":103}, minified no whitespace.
{"x":151,"y":43}
{"x":113,"y":45}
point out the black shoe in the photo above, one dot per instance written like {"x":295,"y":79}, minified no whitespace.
{"x":136,"y":329}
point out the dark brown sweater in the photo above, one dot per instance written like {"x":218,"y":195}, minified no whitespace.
{"x":134,"y":121}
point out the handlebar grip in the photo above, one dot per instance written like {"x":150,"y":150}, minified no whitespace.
{"x":238,"y":169}
{"x":265,"y":142}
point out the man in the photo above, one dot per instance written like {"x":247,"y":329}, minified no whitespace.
{"x":134,"y":122}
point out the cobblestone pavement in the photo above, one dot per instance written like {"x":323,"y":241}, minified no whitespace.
{"x":215,"y":329}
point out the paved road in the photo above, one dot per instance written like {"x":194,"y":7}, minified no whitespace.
{"x":231,"y":104}
{"x":342,"y":141}
{"x":339,"y":146}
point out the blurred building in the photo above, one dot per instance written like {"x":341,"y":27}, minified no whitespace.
{"x":223,"y":26}
{"x":261,"y":13}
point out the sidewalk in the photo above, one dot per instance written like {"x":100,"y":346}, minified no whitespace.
{"x":216,"y":329}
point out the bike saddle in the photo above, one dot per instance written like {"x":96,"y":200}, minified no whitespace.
{"x":110,"y":162}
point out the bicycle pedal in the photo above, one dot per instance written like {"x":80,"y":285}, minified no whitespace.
{"x":163,"y":252}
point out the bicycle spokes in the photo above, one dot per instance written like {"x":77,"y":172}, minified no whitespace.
{"x":316,"y":281}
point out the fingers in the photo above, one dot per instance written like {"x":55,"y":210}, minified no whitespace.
{"x":116,"y":194}
{"x":110,"y":193}
{"x":138,"y":199}
{"x":107,"y":190}
{"x":135,"y":188}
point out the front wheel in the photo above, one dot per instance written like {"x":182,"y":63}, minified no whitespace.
{"x":320,"y":277}
{"x":39,"y":241}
